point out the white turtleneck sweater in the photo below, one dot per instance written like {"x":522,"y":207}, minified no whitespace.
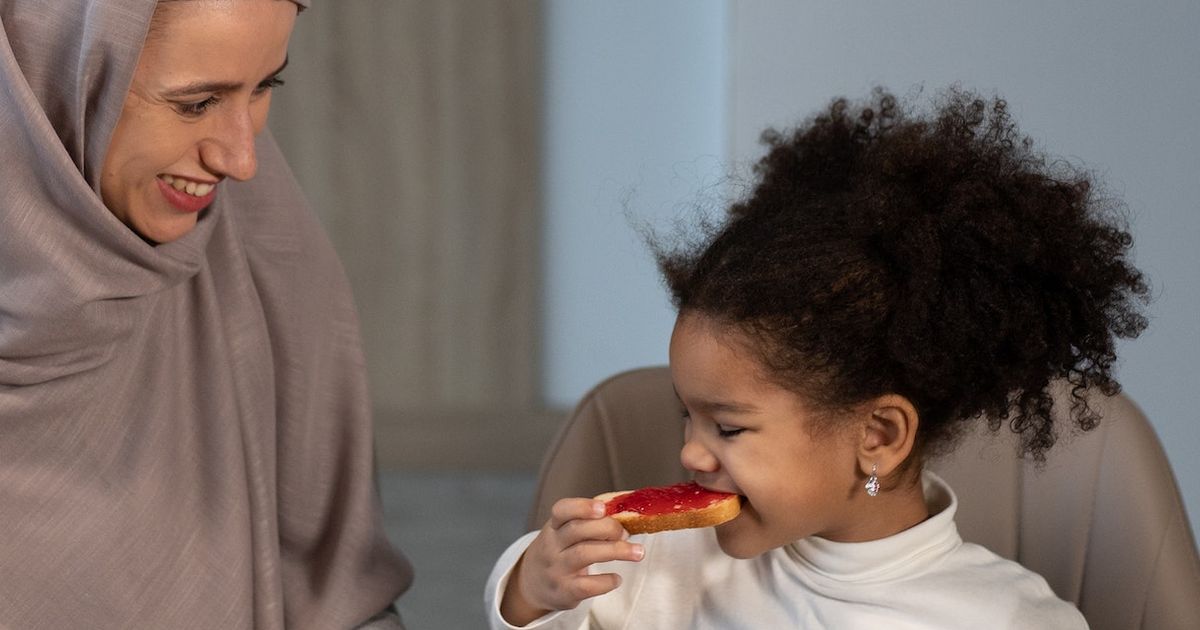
{"x":924,"y":577}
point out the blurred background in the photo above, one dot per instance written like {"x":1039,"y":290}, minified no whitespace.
{"x":485,"y":168}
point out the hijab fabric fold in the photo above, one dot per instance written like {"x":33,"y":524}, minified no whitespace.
{"x":185,"y":435}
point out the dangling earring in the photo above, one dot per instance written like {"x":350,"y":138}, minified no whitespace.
{"x":872,"y":485}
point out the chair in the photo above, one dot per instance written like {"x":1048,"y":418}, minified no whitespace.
{"x":1102,"y":521}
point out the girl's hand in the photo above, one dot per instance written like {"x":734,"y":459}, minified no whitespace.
{"x":552,"y":574}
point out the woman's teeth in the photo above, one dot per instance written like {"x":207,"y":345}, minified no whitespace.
{"x":191,"y":188}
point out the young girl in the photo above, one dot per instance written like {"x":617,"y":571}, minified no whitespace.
{"x":892,"y":279}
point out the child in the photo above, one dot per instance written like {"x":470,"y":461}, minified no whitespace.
{"x":891,"y":279}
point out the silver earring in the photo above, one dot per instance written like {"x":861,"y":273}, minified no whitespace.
{"x":872,"y":485}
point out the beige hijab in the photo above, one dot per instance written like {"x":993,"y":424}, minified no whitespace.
{"x":185,"y":438}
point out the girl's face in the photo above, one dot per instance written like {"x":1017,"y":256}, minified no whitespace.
{"x":747,"y":435}
{"x":199,"y":97}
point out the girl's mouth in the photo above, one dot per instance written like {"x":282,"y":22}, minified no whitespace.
{"x":186,"y":195}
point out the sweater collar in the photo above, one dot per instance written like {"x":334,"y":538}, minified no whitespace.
{"x":907,"y":553}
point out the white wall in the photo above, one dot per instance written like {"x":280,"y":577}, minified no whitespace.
{"x":638,"y":96}
{"x":635,"y":117}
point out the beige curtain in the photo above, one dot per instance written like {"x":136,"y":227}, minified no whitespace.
{"x":413,"y":127}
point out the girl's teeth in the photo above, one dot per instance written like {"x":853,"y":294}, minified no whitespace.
{"x":179,"y":184}
{"x":203,"y":189}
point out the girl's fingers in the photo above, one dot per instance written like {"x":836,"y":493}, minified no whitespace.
{"x":579,"y":557}
{"x":585,"y":586}
{"x":580,"y":530}
{"x":566,"y":510}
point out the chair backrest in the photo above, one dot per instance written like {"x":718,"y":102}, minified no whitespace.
{"x":1102,"y":521}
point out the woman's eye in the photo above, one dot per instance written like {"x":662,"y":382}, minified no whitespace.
{"x":726,"y":431}
{"x":199,"y":107}
{"x":268,"y":85}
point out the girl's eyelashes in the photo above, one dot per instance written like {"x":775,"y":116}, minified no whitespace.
{"x":726,"y":431}
{"x":723,"y":430}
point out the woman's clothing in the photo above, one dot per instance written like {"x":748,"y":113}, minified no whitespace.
{"x":185,"y":436}
{"x":923,"y":577}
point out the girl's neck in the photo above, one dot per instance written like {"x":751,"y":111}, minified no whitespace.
{"x":891,"y":512}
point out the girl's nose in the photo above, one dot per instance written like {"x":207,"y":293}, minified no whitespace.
{"x":695,"y":457}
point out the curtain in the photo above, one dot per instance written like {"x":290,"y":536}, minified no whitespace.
{"x":413,"y":127}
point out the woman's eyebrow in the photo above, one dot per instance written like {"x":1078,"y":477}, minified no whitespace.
{"x":206,"y":87}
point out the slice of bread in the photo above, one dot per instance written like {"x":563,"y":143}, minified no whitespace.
{"x":681,"y":506}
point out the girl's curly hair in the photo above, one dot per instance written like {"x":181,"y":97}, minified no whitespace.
{"x":937,"y":256}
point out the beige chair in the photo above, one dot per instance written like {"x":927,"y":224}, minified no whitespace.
{"x":1103,"y":521}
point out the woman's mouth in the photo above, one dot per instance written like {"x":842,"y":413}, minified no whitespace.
{"x":186,"y":195}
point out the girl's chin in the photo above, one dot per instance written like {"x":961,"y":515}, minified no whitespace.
{"x":736,"y":542}
{"x":746,"y":536}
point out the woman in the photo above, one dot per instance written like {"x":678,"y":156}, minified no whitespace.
{"x":185,"y":438}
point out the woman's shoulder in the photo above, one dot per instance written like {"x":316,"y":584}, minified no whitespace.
{"x":288,"y":251}
{"x":270,"y":211}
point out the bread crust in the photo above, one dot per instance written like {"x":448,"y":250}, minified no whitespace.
{"x":713,"y":514}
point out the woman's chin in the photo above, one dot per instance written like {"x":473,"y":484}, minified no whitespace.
{"x":162,"y":231}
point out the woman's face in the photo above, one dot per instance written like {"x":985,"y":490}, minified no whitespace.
{"x":199,"y":97}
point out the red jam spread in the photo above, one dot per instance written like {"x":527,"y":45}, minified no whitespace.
{"x":680,"y":497}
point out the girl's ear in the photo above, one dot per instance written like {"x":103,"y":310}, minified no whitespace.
{"x":888,"y":435}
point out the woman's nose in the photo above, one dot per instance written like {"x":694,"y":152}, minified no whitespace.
{"x":695,"y":457}
{"x":229,"y":152}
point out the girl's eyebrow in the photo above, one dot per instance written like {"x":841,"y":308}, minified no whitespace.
{"x":715,"y":406}
{"x":210,"y":87}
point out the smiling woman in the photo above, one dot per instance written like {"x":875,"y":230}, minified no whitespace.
{"x":185,"y":432}
{"x":199,"y":97}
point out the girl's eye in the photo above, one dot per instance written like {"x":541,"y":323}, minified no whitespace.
{"x":198,"y":108}
{"x":728,"y":431}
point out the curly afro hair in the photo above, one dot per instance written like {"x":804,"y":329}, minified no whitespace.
{"x":938,"y":256}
